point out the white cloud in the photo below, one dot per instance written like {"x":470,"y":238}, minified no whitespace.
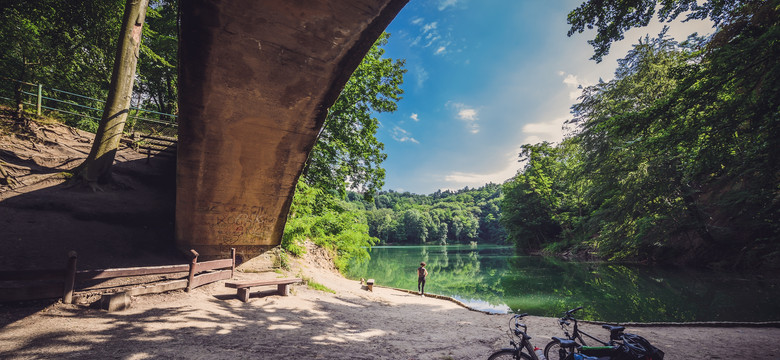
{"x":429,"y":33}
{"x":574,"y":84}
{"x":571,"y":80}
{"x":468,"y":114}
{"x":402,"y":135}
{"x":460,"y":179}
{"x":421,"y":75}
{"x":414,"y":117}
{"x":443,"y":4}
{"x":430,"y":27}
{"x":431,"y":37}
{"x":550,"y":131}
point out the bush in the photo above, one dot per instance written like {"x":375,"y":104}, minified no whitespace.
{"x":329,"y":223}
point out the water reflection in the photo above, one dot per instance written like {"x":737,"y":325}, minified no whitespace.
{"x":492,"y":278}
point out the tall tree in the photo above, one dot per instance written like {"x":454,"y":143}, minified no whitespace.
{"x":97,"y":167}
{"x":347,"y":153}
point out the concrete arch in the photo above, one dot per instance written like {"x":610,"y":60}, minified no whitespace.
{"x":256,"y":79}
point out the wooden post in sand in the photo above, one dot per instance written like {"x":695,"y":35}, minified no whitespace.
{"x":70,"y":278}
{"x":233,"y":256}
{"x":193,"y":264}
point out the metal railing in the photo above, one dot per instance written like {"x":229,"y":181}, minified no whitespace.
{"x":74,"y":106}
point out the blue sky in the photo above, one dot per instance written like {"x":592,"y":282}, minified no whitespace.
{"x":485,"y":77}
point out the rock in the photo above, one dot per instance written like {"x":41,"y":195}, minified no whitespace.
{"x":116,"y":301}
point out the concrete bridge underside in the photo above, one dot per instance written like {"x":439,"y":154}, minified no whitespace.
{"x":256,"y":80}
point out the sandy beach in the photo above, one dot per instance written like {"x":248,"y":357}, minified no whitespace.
{"x":354,"y":323}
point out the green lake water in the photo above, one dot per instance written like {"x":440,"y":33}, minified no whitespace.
{"x":493,"y":278}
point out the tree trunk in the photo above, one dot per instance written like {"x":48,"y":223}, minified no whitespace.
{"x":97,"y":166}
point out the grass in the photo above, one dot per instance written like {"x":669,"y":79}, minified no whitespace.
{"x":317,"y":286}
{"x":314,"y":285}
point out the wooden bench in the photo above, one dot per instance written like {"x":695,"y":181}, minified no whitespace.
{"x":283,"y":286}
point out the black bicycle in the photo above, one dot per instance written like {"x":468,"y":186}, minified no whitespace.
{"x":521,"y":349}
{"x":560,"y":348}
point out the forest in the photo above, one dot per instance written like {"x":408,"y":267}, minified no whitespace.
{"x":672,"y":161}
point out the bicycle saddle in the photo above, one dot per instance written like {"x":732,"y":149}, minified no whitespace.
{"x":565,"y":343}
{"x":614,"y":331}
{"x":613,"y":328}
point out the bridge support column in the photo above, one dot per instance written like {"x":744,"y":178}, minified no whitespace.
{"x":256,"y":79}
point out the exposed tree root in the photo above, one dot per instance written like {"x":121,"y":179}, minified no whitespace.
{"x":6,"y":178}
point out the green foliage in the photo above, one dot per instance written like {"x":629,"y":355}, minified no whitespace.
{"x":546,"y":199}
{"x":329,"y":223}
{"x":671,"y":159}
{"x":70,"y":45}
{"x":612,"y":18}
{"x":284,"y":260}
{"x":347,"y":153}
{"x":157,"y":65}
{"x":442,"y":217}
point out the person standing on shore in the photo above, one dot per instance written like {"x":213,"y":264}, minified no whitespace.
{"x":422,"y":274}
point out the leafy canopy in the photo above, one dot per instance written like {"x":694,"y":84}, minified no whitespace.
{"x":347,"y":154}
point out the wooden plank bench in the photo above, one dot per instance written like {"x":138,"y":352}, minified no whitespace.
{"x":283,"y":286}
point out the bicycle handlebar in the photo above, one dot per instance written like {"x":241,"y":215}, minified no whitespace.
{"x":571,"y":312}
{"x":518,"y":324}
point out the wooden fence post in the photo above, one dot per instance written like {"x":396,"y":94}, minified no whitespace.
{"x":233,"y":255}
{"x":70,"y":278}
{"x":193,"y":264}
{"x":40,"y":88}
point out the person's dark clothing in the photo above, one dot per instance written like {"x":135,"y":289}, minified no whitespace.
{"x":421,"y":275}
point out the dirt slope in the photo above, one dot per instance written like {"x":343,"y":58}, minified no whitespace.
{"x":130,"y":223}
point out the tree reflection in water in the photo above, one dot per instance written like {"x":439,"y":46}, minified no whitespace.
{"x":493,"y":278}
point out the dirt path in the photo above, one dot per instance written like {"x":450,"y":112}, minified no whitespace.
{"x":210,"y":323}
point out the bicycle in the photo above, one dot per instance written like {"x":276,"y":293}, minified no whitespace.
{"x":632,"y":347}
{"x":516,"y":351}
{"x":561,"y":348}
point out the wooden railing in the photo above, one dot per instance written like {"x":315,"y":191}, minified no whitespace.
{"x":20,"y":285}
{"x":154,"y":145}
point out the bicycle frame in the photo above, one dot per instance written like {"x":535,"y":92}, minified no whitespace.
{"x":577,"y":333}
{"x":574,"y":341}
{"x":519,"y":330}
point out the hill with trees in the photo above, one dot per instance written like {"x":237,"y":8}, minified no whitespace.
{"x":444,"y":217}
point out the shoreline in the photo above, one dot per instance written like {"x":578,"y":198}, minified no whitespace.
{"x":725,"y":324}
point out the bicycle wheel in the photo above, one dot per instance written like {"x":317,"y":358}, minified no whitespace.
{"x":553,"y":351}
{"x":508,"y":354}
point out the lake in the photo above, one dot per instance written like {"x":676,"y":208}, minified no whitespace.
{"x":493,"y":278}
